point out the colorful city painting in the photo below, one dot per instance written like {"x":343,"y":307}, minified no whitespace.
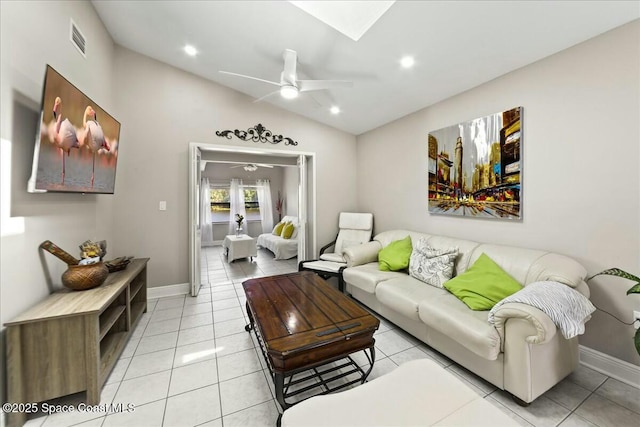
{"x":475,"y":167}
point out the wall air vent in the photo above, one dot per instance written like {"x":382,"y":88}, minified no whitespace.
{"x":77,"y":38}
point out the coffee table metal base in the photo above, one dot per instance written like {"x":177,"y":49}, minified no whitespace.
{"x":321,"y":372}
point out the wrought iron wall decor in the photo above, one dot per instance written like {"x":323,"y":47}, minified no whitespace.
{"x":258,"y":133}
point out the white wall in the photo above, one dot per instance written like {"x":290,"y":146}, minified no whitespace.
{"x":581,"y":185}
{"x":162,"y":110}
{"x":32,"y":35}
{"x":290,"y":192}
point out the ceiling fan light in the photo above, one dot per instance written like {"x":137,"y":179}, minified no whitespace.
{"x":250,"y":168}
{"x":289,"y":92}
{"x":335,"y":109}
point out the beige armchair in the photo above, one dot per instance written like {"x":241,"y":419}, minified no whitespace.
{"x":355,"y":229}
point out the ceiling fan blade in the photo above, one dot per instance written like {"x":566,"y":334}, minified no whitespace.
{"x":267,"y":95}
{"x":236,"y":166}
{"x":290,"y":61}
{"x":249,"y":77}
{"x":262,"y":165}
{"x":307,"y":85}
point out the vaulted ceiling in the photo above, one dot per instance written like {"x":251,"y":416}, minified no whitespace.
{"x":457,"y":45}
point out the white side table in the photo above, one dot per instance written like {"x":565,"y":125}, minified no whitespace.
{"x":242,"y":246}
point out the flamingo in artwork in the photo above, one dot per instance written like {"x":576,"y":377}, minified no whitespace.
{"x":93,"y":136}
{"x":63,"y":133}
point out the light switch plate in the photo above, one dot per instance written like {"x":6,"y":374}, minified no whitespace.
{"x":163,"y":205}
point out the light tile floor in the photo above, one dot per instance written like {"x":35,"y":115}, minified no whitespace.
{"x":190,"y":363}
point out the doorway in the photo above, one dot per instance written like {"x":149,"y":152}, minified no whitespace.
{"x":202,"y":154}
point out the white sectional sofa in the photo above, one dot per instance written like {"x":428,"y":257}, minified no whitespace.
{"x":523,"y":352}
{"x":282,"y":248}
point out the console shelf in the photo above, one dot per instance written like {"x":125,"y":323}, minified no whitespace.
{"x":70,"y":342}
{"x":109,"y":317}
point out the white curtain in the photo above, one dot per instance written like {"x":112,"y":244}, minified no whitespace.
{"x":236,"y":200}
{"x":266,"y":206}
{"x":206,"y":229}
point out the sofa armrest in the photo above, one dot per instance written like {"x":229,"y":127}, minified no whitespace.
{"x":541,"y":330}
{"x":362,"y":254}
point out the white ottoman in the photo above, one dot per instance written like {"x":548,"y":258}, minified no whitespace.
{"x":417,"y":393}
{"x":242,"y":246}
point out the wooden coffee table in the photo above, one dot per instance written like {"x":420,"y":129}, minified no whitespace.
{"x":302,"y":323}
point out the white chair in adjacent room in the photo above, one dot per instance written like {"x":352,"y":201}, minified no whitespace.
{"x":355,"y":229}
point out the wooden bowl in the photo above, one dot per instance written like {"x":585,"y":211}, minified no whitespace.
{"x":83,"y":277}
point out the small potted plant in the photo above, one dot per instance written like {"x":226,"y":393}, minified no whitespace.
{"x":635,"y":289}
{"x":239,"y":219}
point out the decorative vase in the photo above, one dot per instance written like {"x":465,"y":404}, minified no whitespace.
{"x":83,"y":277}
{"x":238,"y":231}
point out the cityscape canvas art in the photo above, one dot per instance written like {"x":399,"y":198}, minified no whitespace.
{"x":475,"y":167}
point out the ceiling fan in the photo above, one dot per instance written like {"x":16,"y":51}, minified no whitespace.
{"x":290,"y":85}
{"x":251,"y":167}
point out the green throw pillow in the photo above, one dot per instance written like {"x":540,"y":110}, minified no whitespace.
{"x":277,"y":230}
{"x":287,"y":231}
{"x":483,"y":285}
{"x":396,"y":255}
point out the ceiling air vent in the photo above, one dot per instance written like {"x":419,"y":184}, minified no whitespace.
{"x":77,"y":38}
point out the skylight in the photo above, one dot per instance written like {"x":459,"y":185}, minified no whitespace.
{"x":351,"y":18}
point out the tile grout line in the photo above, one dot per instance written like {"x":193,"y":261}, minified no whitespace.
{"x":173,"y":361}
{"x":215,"y":343}
{"x":595,"y":391}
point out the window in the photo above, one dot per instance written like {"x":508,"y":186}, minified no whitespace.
{"x":221,"y":207}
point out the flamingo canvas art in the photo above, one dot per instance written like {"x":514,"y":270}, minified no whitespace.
{"x":74,"y":152}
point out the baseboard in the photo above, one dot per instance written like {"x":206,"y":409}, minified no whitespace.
{"x":623,"y":371}
{"x":168,"y":290}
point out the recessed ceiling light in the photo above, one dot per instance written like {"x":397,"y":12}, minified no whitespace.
{"x":407,"y":62}
{"x":190,"y":50}
{"x":335,"y":110}
{"x":289,"y":92}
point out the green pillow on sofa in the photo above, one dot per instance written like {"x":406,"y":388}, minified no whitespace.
{"x":287,"y":230}
{"x":483,"y":285}
{"x":395,"y":256}
{"x":277,"y":230}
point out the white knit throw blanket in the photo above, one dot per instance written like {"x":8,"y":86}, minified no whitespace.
{"x":568,"y":308}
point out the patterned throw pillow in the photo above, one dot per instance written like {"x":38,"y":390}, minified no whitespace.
{"x":432,"y":266}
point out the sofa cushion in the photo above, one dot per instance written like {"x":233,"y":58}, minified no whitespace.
{"x":281,"y":248}
{"x":465,"y":250}
{"x":483,"y":285}
{"x":515,"y":261}
{"x":450,"y":316}
{"x":556,"y":268}
{"x":402,"y":294}
{"x":387,"y":237}
{"x":367,"y":276}
{"x":395,"y":256}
